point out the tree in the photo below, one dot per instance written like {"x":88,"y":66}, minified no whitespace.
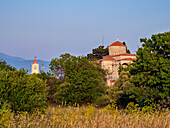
{"x":65,"y":93}
{"x":127,"y":50}
{"x":123,"y":68}
{"x":118,"y":91}
{"x":57,"y":65}
{"x":86,"y":78}
{"x":98,"y":53}
{"x":23,"y":92}
{"x":151,"y":71}
{"x":52,"y":82}
{"x":84,"y":81}
{"x":3,"y":65}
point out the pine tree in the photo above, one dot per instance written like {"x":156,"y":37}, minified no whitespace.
{"x":98,"y":53}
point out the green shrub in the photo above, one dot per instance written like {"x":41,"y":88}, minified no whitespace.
{"x":102,"y":101}
{"x":23,"y":92}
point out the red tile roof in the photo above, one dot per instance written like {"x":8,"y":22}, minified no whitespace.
{"x":117,"y":43}
{"x":35,"y":62}
{"x":128,"y":59}
{"x":107,"y":58}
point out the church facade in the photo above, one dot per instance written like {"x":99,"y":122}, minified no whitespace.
{"x":117,"y":56}
{"x":35,"y":66}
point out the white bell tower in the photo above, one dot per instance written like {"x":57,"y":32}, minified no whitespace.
{"x":35,"y":66}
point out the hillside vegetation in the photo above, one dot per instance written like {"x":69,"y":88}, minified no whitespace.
{"x":74,"y":93}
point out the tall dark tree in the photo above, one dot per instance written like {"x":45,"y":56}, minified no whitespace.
{"x":118,"y":91}
{"x":151,"y":71}
{"x":98,"y":53}
{"x":57,"y":65}
{"x":127,"y":50}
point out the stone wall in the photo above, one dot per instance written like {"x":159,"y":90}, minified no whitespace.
{"x":114,"y":50}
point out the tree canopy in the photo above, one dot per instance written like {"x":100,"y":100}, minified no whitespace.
{"x":151,"y":71}
{"x":83,"y":80}
{"x":3,"y":65}
{"x":118,"y":91}
{"x":57,"y":65}
{"x":98,"y":53}
{"x":127,"y":50}
{"x":23,"y":92}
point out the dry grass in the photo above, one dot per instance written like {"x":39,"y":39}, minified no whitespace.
{"x":90,"y":117}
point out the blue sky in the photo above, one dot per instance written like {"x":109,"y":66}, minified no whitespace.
{"x":48,"y":28}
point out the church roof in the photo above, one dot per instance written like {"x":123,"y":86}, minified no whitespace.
{"x":107,"y":58}
{"x":35,"y":62}
{"x":117,"y":43}
{"x":128,"y":59}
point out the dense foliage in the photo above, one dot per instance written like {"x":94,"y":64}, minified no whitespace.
{"x":3,"y":65}
{"x":118,"y":92}
{"x":98,"y":53}
{"x":21,"y":91}
{"x":51,"y":82}
{"x":151,"y":71}
{"x":145,"y":84}
{"x":57,"y":65}
{"x":146,"y":81}
{"x":83,"y":81}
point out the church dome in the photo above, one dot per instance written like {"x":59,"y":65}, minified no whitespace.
{"x":117,"y":43}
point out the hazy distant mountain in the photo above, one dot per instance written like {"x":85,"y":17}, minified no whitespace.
{"x":18,"y":62}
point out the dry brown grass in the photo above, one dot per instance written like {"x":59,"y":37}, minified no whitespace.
{"x":91,"y":117}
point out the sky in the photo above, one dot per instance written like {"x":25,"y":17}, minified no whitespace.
{"x":49,"y":28}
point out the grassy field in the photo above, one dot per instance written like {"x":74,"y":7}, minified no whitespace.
{"x":89,"y":117}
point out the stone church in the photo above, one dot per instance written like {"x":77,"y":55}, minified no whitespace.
{"x":117,"y":56}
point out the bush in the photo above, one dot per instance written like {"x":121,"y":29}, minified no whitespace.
{"x":23,"y":92}
{"x":102,"y":101}
{"x":52,"y":83}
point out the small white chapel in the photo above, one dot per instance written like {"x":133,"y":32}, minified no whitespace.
{"x":35,"y":66}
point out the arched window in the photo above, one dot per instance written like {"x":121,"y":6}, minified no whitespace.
{"x":124,"y":65}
